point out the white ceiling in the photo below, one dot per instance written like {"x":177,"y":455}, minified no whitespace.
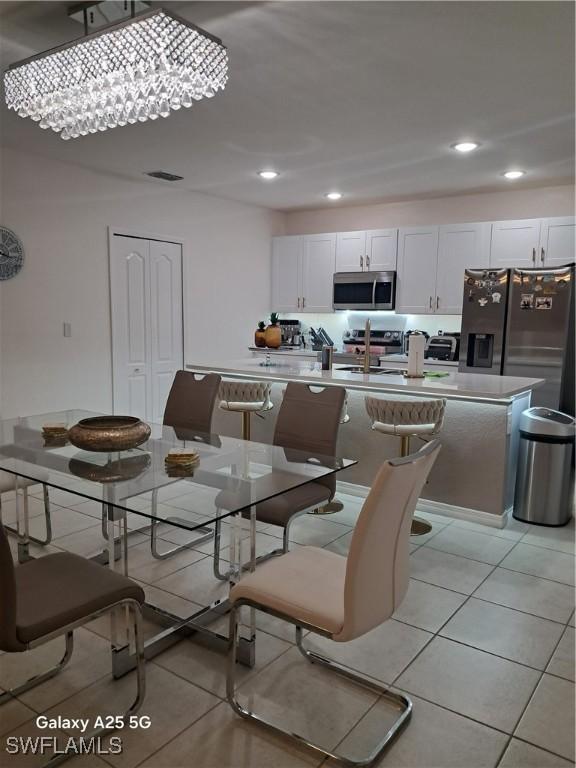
{"x":364,"y":97}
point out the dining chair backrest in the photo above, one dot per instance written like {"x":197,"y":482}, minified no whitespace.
{"x":309,"y":421}
{"x":191,"y":401}
{"x":8,"y":600}
{"x":377,"y":570}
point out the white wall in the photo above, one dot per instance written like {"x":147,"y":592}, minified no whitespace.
{"x":62,"y":212}
{"x":508,"y":204}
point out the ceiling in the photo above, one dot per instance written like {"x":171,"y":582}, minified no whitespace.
{"x":362,"y":97}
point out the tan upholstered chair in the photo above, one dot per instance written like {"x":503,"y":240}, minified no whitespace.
{"x":7,"y":484}
{"x":189,"y":411}
{"x":342,"y":598}
{"x":246,"y":397}
{"x":406,"y":418}
{"x":307,"y":421}
{"x":52,"y":596}
{"x":190,"y":404}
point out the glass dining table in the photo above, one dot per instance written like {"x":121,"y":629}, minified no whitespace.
{"x":231,"y":477}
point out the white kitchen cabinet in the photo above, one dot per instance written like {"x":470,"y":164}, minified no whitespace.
{"x":373,"y":250}
{"x":318,"y":266}
{"x":515,"y":243}
{"x":286,"y":273}
{"x":416,"y":270}
{"x":460,"y":247}
{"x":556,"y":242}
{"x":303,"y":272}
{"x":381,"y":250}
{"x":350,"y":251}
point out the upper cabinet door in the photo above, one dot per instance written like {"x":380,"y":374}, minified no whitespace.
{"x":515,"y":243}
{"x":381,"y":250}
{"x":416,"y":270}
{"x":557,"y":242}
{"x":286,"y":270}
{"x":461,"y":246}
{"x":350,"y":251}
{"x":318,"y":264}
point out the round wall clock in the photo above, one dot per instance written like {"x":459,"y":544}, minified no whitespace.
{"x":11,"y":254}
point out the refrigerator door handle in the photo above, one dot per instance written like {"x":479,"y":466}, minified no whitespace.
{"x":542,"y":255}
{"x":533,"y":255}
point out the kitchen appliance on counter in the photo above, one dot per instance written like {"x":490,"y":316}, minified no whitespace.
{"x":364,"y":290}
{"x":444,"y":346}
{"x":381,"y":342}
{"x":291,"y":331}
{"x":520,"y":322}
{"x":407,"y":335}
{"x":319,"y":338}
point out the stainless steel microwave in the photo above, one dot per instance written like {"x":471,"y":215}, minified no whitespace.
{"x":364,"y":290}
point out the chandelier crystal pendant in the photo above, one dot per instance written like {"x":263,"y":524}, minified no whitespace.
{"x":133,"y":71}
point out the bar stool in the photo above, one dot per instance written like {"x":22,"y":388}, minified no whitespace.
{"x":335,"y":505}
{"x":245,"y":397}
{"x":406,"y":419}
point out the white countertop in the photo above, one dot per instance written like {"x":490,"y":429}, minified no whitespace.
{"x":460,"y":385}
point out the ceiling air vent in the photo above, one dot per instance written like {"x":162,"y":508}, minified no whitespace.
{"x":164,"y":175}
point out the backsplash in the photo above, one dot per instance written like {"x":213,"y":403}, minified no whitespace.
{"x":337,"y":322}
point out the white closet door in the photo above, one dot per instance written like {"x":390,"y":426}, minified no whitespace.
{"x":165,"y":321}
{"x":147,"y":343}
{"x":130,"y":292}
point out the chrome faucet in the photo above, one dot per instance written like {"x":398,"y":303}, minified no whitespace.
{"x":367,"y":347}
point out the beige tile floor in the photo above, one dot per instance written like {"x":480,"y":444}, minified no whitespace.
{"x":483,"y":644}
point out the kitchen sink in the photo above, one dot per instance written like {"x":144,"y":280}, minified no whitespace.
{"x":372,"y":371}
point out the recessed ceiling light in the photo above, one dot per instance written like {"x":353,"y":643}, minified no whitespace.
{"x":268,"y":175}
{"x":465,"y":146}
{"x":333,"y":195}
{"x":513,"y":174}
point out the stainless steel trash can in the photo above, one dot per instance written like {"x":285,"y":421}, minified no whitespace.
{"x":545,"y":475}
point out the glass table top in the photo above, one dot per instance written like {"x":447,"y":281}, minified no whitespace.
{"x":231,"y":475}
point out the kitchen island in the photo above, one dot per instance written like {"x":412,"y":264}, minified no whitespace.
{"x":475,"y":473}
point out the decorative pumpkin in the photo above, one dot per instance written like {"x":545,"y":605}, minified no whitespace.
{"x":273,"y":333}
{"x":260,"y":335}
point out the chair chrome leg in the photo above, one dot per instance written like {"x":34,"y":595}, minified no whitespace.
{"x":140,"y":689}
{"x":48,"y":538}
{"x":218,"y":574}
{"x":402,"y":702}
{"x":37,"y":679}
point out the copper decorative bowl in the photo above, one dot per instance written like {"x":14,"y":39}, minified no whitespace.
{"x":109,"y":433}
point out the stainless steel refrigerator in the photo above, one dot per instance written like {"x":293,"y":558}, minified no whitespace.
{"x":520,"y":322}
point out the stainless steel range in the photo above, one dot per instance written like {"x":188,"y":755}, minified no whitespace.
{"x":382,"y":342}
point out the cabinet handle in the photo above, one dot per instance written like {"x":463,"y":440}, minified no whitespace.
{"x":361,"y":262}
{"x":533,"y":255}
{"x":542,"y":255}
{"x":430,"y":302}
{"x":298,"y":302}
{"x":367,"y":261}
{"x":303,"y":302}
{"x":437,"y":302}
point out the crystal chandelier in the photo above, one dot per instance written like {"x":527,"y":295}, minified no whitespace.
{"x":129,"y":72}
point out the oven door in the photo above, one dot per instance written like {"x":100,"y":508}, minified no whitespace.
{"x":364,"y":290}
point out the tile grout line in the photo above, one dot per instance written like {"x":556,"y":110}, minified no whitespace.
{"x":530,"y":699}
